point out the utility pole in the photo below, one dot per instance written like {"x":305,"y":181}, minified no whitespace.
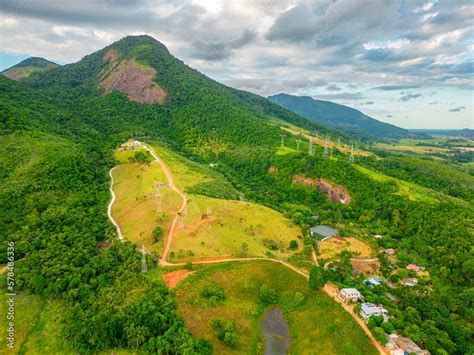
{"x":144,"y":265}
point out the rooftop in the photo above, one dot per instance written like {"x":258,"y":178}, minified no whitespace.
{"x":325,"y":231}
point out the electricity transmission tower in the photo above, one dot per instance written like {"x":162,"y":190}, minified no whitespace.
{"x":282,"y":140}
{"x":326,"y":146}
{"x":298,"y":141}
{"x":310,"y":148}
{"x":241,"y":197}
{"x":351,"y":157}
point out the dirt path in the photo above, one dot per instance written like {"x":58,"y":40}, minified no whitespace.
{"x":111,"y":203}
{"x":315,"y":258}
{"x":173,"y":187}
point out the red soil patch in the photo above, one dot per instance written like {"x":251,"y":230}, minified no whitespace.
{"x":335,"y":193}
{"x":174,"y":277}
{"x":133,"y":80}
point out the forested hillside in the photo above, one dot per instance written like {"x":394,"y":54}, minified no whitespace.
{"x":343,"y":118}
{"x":58,"y":133}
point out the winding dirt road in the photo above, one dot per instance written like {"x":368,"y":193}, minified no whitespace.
{"x":173,"y":187}
{"x":111,"y":203}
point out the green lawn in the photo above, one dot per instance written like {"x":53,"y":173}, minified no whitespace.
{"x":317,"y":323}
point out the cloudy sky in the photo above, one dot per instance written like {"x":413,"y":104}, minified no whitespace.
{"x":409,"y":62}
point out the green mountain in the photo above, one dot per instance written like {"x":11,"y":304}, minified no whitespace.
{"x":343,"y":118}
{"x":26,"y":67}
{"x":58,"y":131}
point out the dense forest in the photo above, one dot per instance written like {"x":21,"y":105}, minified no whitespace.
{"x":58,"y":134}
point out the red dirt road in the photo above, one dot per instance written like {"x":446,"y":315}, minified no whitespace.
{"x":174,"y":277}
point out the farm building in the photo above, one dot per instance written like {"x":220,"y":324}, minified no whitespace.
{"x":369,"y":309}
{"x":415,"y":267}
{"x":323,"y":232}
{"x":378,"y":236}
{"x":350,"y":294}
{"x":373,"y":281}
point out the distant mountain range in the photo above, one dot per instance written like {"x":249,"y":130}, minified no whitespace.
{"x":340,"y":117}
{"x":26,"y":67}
{"x":462,"y":133}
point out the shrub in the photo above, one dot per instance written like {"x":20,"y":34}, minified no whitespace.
{"x":225,"y":331}
{"x":156,"y":234}
{"x":268,"y":295}
{"x":214,"y":293}
{"x":270,"y":244}
{"x":293,"y":245}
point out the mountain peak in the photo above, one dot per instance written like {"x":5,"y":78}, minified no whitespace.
{"x":130,"y":42}
{"x":26,"y":67}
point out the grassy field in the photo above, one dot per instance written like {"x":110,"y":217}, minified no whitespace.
{"x":412,"y":148}
{"x":332,"y":246}
{"x":232,"y":228}
{"x":27,"y":311}
{"x":45,"y":336}
{"x":317,"y":324}
{"x":138,"y":209}
{"x":230,"y":225}
{"x":231,"y":222}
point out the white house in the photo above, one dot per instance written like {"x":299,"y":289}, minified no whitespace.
{"x":410,"y":282}
{"x":369,"y":309}
{"x":350,"y":294}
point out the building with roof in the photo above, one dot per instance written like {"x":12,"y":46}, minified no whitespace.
{"x":410,"y":282}
{"x":378,"y":236}
{"x":415,"y":267}
{"x":390,"y":251}
{"x":373,"y":281}
{"x":406,"y":345}
{"x":350,"y":294}
{"x":368,"y":310}
{"x":323,"y":232}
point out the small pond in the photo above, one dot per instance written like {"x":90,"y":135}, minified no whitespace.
{"x":276,"y":332}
